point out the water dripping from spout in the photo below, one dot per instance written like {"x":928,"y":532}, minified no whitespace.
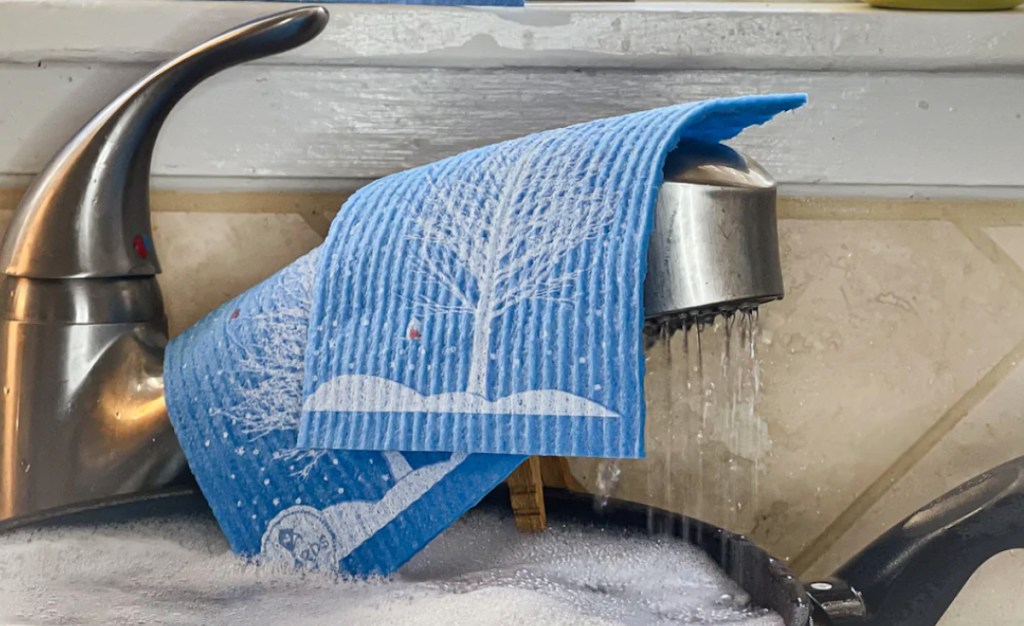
{"x":732,"y":437}
{"x":705,"y":441}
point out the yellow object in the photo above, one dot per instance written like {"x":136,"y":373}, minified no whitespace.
{"x":946,"y":5}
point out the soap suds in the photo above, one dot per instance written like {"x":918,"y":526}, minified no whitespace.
{"x":481,"y":571}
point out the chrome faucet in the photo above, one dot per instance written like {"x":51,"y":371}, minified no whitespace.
{"x":81,"y":348}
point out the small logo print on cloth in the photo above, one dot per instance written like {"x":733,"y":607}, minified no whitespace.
{"x":314,"y":539}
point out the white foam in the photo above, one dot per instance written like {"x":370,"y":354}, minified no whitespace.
{"x":481,"y":571}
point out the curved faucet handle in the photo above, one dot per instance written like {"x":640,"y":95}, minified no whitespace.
{"x":87,"y":213}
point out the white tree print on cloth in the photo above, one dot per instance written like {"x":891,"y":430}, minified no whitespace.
{"x":317,"y":539}
{"x":499,"y":237}
{"x":508,"y":234}
{"x":275,"y":361}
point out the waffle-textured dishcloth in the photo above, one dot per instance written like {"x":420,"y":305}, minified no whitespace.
{"x":493,"y":301}
{"x":234,"y":387}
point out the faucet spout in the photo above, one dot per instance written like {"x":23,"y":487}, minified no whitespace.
{"x":714,"y":247}
{"x":87,"y":212}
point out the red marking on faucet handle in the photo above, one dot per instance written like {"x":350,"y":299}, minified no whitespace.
{"x":139,"y":243}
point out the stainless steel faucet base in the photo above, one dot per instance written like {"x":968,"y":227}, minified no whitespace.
{"x":87,"y":398}
{"x":82,"y":324}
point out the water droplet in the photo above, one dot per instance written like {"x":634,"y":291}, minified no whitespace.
{"x":609,"y":472}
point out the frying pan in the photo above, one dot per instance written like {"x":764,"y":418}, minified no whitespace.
{"x":907,"y":577}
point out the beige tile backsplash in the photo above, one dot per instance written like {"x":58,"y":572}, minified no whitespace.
{"x":891,"y":371}
{"x":208,"y":258}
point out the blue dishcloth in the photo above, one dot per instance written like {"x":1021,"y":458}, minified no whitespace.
{"x":493,"y":301}
{"x":234,"y":388}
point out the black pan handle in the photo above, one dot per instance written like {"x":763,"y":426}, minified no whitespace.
{"x":910,"y":575}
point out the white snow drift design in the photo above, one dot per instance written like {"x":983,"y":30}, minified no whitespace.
{"x":310,"y":538}
{"x":371,"y":394}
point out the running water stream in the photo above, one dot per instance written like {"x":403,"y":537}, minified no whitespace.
{"x":705,"y":442}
